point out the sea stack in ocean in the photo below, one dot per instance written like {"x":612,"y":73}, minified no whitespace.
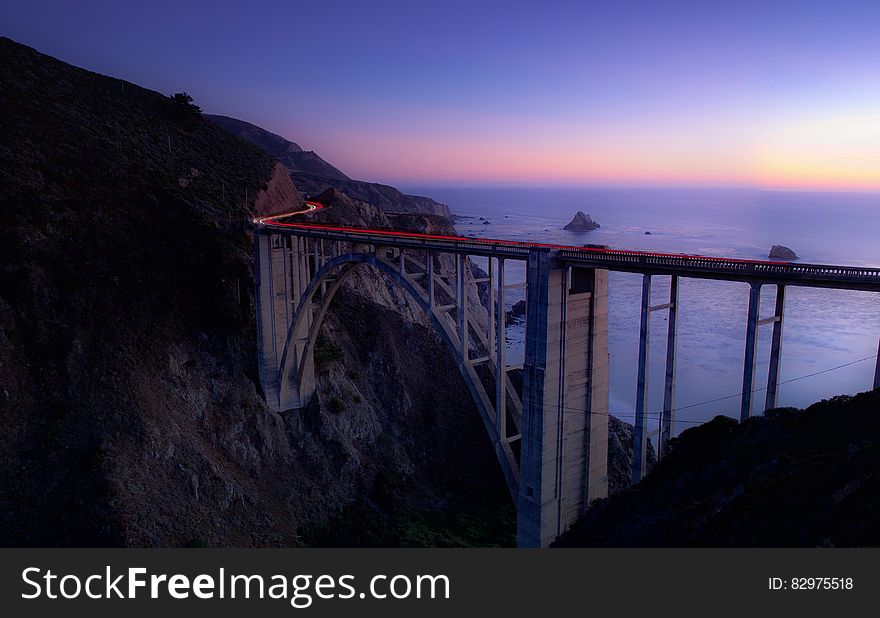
{"x":780,"y":252}
{"x":517,"y":313}
{"x":581,"y":223}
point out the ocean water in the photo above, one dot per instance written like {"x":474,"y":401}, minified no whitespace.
{"x":823,"y":330}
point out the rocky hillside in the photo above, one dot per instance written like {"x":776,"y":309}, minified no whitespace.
{"x":313,"y":175}
{"x":129,"y":413}
{"x":798,"y":478}
{"x":129,"y":410}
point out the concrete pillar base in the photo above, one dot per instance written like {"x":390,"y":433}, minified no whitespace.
{"x":564,"y":457}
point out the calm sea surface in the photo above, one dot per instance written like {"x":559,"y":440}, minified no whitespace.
{"x":823,"y":328}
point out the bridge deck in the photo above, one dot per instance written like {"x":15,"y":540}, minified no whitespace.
{"x":683,"y":265}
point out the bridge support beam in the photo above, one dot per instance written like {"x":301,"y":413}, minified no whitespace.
{"x":563,"y":459}
{"x":587,"y":373}
{"x":429,"y":273}
{"x":640,"y":429}
{"x":775,"y":350}
{"x":749,"y":356}
{"x":490,"y":309}
{"x":461,"y":264}
{"x":667,"y":415}
{"x":667,"y":419}
{"x":500,"y":340}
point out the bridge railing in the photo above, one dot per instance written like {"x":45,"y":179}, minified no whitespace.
{"x":612,"y":259}
{"x":510,"y":250}
{"x":738,"y":268}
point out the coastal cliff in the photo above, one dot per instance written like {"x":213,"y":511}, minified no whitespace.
{"x":130,"y":412}
{"x":129,"y":409}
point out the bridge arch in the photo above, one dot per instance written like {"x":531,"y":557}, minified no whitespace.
{"x":297,"y":356}
{"x":551,"y":442}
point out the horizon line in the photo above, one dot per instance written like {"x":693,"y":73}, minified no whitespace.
{"x":623,"y":185}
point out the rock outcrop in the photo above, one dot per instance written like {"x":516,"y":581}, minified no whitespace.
{"x":517,"y":313}
{"x":781,"y":252}
{"x":789,"y":478}
{"x":280,"y":194}
{"x":581,"y":223}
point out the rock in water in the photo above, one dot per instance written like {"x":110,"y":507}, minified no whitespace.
{"x":517,"y":313}
{"x":581,"y":223}
{"x":780,"y":252}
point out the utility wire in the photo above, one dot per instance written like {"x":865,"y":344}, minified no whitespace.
{"x":657,"y":414}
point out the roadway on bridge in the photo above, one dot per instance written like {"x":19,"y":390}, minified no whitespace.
{"x":645,"y":262}
{"x":276,"y":222}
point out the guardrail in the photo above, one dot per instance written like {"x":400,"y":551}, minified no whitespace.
{"x":787,"y":272}
{"x":449,"y":244}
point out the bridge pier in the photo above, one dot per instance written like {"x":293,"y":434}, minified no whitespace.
{"x":564,"y":458}
{"x":640,"y":428}
{"x":667,"y":419}
{"x":500,"y":341}
{"x":749,"y":362}
{"x":667,"y":416}
{"x":461,"y":301}
{"x":749,"y":356}
{"x":775,"y":350}
{"x":429,"y":272}
{"x":281,"y":276}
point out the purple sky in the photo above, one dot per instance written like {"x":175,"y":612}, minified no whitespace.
{"x":766,"y":93}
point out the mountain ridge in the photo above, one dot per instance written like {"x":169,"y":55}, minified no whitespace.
{"x":313,"y":175}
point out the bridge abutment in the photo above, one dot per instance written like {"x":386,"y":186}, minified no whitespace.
{"x":281,"y":276}
{"x":564,"y":457}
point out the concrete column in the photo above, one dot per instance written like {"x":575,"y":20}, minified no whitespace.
{"x":277,"y":289}
{"x":490,"y":311}
{"x":288,"y":285}
{"x":461,"y":277}
{"x":667,"y":422}
{"x":775,"y":350}
{"x":586,"y":382}
{"x":640,"y":431}
{"x":429,"y":273}
{"x":315,"y":264}
{"x":533,"y":529}
{"x":278,"y":276}
{"x":560,"y":422}
{"x":266,"y":348}
{"x":298,"y":257}
{"x":322,"y":258}
{"x":500,"y":357}
{"x":749,"y":357}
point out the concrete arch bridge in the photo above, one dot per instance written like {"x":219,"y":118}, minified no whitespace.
{"x":551,"y":443}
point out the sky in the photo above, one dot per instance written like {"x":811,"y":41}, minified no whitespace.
{"x":768,"y":94}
